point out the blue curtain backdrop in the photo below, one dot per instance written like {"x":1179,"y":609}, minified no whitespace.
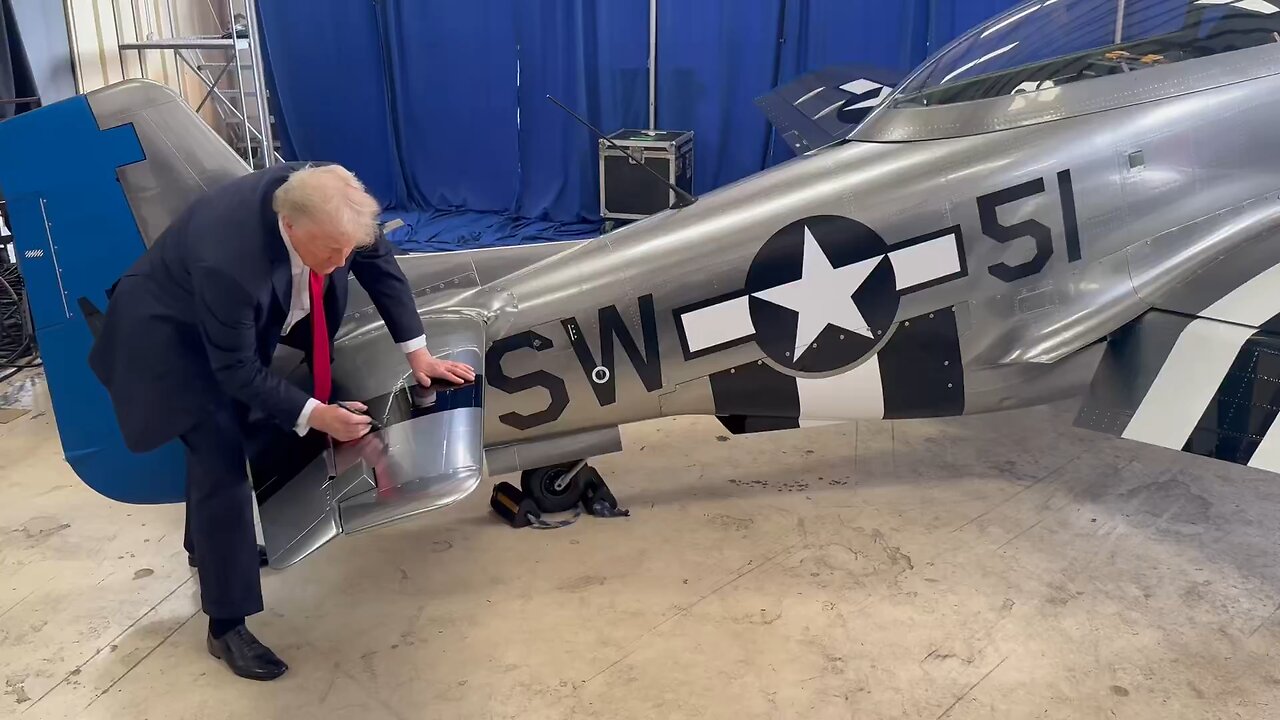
{"x":821,"y":33}
{"x":327,"y":62}
{"x":453,"y":67}
{"x":714,"y":58}
{"x":592,"y":56}
{"x":441,"y":106}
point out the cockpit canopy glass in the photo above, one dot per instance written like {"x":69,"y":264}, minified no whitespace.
{"x":1050,"y":43}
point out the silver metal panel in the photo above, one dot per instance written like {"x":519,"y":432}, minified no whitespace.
{"x":303,"y":515}
{"x":1246,"y":238}
{"x":73,"y":44}
{"x":446,"y":274}
{"x":429,"y":453}
{"x":689,"y":398}
{"x":256,"y":40}
{"x":412,"y":466}
{"x":551,"y":451}
{"x":1189,"y":268}
{"x":184,"y":156}
{"x":997,"y":388}
{"x":501,"y":460}
{"x":367,"y":364}
{"x":181,"y":44}
{"x":1048,"y":320}
{"x":418,"y":465}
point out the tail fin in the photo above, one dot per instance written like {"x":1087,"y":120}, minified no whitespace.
{"x":825,"y":106}
{"x":91,"y":182}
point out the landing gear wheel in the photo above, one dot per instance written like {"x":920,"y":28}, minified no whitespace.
{"x":551,"y":489}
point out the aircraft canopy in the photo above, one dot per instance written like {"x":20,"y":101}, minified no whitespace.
{"x":1048,"y":43}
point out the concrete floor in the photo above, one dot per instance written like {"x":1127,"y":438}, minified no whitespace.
{"x":991,"y":567}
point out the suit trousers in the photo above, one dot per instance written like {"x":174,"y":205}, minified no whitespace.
{"x":220,"y":532}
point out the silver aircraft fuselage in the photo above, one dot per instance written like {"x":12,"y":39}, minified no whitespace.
{"x":1074,"y":220}
{"x":973,"y":246}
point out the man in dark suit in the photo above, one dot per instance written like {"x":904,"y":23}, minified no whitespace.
{"x":189,"y":334}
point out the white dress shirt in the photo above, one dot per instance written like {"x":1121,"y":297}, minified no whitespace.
{"x":300,"y":307}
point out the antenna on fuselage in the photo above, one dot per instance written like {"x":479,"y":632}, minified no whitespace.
{"x":683,"y":199}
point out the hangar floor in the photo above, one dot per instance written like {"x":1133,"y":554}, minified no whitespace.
{"x":991,"y":567}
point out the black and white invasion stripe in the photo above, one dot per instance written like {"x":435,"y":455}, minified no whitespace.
{"x":1208,"y":385}
{"x":917,"y":374}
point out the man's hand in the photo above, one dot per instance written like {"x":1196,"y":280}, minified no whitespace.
{"x":340,"y":424}
{"x":425,"y":368}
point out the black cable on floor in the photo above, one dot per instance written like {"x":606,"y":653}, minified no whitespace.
{"x":17,"y":335}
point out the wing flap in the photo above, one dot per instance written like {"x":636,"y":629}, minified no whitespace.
{"x":429,"y":452}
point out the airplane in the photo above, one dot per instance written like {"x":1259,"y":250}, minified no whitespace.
{"x":1076,"y":199}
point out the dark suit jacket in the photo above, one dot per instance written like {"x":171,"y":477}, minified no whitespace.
{"x":196,"y":320}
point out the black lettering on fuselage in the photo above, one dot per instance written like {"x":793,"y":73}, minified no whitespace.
{"x":1034,"y":230}
{"x":601,"y":375}
{"x":554,"y":385}
{"x":1070,"y":220}
{"x":988,"y":216}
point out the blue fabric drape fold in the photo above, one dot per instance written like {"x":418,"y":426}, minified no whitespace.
{"x":332,"y":88}
{"x":441,"y":106}
{"x":592,"y":56}
{"x":453,"y":68}
{"x":714,"y":58}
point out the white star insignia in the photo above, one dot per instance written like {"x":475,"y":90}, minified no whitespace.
{"x":823,"y":295}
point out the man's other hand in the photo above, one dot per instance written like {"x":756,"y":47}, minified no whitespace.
{"x":427,"y":368}
{"x":340,"y":424}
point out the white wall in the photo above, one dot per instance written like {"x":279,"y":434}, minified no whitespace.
{"x":100,"y":25}
{"x":44,"y":35}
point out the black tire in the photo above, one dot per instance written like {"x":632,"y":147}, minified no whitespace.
{"x":539,"y":485}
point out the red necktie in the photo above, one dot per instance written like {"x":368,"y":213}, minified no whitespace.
{"x":323,"y":381}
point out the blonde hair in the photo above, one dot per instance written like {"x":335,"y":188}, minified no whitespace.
{"x":331,"y":196}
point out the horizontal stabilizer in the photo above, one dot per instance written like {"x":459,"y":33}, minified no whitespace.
{"x":429,"y":452}
{"x":823,"y":107}
{"x":1195,"y":384}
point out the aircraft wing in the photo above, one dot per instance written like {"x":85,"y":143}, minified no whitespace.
{"x":1206,"y":383}
{"x":823,"y":107}
{"x":428,"y":454}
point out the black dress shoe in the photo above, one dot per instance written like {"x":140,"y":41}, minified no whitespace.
{"x":246,"y":657}
{"x":262,"y":557}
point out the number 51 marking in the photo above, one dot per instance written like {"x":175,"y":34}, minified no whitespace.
{"x":988,"y":214}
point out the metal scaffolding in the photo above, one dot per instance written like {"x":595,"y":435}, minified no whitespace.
{"x":229,"y":66}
